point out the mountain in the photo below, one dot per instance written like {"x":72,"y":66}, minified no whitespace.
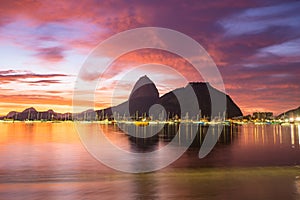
{"x":144,"y":98}
{"x":32,"y":114}
{"x":202,"y":91}
{"x":29,"y":113}
{"x":290,"y":113}
{"x":145,"y":94}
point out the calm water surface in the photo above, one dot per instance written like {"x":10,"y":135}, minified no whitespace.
{"x":48,"y":161}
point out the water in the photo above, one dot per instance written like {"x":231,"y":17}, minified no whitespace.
{"x":48,"y":161}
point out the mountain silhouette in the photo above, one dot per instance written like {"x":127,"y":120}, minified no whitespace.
{"x":290,"y":113}
{"x":144,"y":101}
{"x":32,"y":114}
{"x":203,"y":91}
{"x":145,"y":95}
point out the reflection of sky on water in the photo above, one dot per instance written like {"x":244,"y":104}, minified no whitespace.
{"x":297,"y":184}
{"x":51,"y":158}
{"x":270,"y":135}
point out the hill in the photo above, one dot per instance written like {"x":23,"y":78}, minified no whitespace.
{"x":290,"y":113}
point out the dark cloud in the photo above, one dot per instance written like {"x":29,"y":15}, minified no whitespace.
{"x":41,"y":82}
{"x":7,"y":76}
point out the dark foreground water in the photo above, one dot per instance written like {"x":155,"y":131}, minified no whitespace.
{"x":48,"y":161}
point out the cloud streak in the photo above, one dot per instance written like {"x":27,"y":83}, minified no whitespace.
{"x":285,"y":49}
{"x":8,"y":76}
{"x":257,"y":20}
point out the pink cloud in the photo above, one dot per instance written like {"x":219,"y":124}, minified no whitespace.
{"x":54,"y":54}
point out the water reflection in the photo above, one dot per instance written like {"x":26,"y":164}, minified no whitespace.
{"x":141,"y":139}
{"x":145,"y":187}
{"x":297,"y":184}
{"x":247,"y":145}
{"x":144,"y":139}
{"x":47,"y":160}
{"x":49,"y":144}
{"x":299,"y":134}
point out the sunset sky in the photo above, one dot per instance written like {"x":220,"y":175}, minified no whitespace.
{"x":255,"y":45}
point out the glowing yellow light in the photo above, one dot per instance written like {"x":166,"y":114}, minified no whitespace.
{"x":286,"y":120}
{"x":298,"y":119}
{"x":299,"y":133}
{"x":292,"y":119}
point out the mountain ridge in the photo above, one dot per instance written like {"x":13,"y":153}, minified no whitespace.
{"x":290,"y":113}
{"x":143,"y":97}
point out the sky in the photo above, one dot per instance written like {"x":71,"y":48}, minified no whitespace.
{"x":44,"y":44}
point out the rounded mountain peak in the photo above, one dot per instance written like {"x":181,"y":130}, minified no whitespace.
{"x":143,"y":96}
{"x":31,"y":109}
{"x":144,"y":87}
{"x":144,"y":80}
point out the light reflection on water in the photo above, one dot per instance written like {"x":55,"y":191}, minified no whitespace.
{"x":47,"y":160}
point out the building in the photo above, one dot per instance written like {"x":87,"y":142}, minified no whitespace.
{"x":262,"y":115}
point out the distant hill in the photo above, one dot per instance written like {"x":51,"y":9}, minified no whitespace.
{"x":32,"y":114}
{"x":290,"y":113}
{"x":143,"y":96}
